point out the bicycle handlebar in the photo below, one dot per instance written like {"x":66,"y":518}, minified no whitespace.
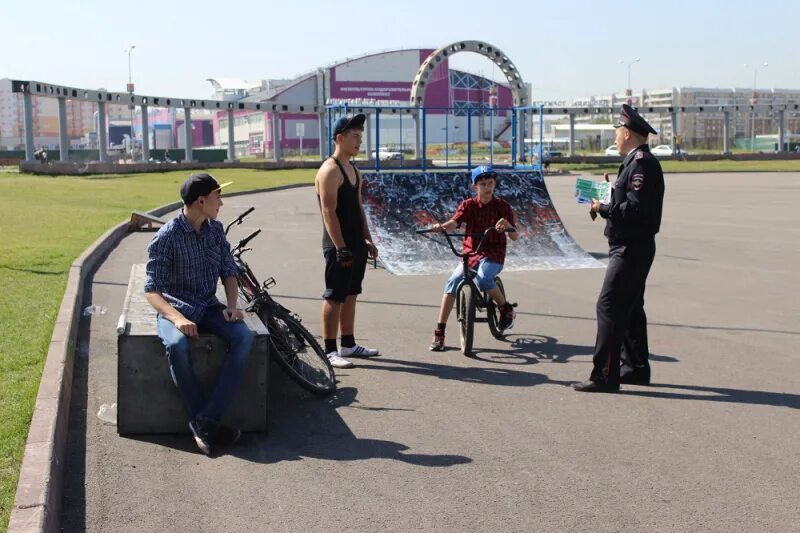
{"x":247,"y":239}
{"x":450,"y":241}
{"x":431,"y":230}
{"x":238,"y":220}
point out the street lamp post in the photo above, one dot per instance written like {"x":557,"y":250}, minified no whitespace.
{"x":754,"y":101}
{"x":629,"y":90}
{"x":128,"y":51}
{"x":130,"y":90}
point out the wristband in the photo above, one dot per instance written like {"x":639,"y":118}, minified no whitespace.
{"x":343,"y":255}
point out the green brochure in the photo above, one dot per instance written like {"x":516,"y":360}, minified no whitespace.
{"x":587,"y":190}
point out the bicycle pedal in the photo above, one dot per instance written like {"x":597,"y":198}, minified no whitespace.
{"x":269,"y":283}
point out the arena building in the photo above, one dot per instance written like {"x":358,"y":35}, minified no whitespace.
{"x":457,"y":103}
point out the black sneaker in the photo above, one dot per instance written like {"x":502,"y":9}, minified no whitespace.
{"x":594,"y":386}
{"x":225,"y":435}
{"x":202,"y":432}
{"x":507,"y":316}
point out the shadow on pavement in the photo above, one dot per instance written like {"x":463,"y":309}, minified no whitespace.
{"x":304,"y":426}
{"x":73,"y":504}
{"x":313,"y":429}
{"x":466,"y":374}
{"x":717,"y":394}
{"x":526,"y":349}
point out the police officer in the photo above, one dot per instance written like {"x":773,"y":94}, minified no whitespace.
{"x":632,"y":218}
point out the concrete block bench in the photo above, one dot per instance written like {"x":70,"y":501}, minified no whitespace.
{"x":140,"y":220}
{"x":147,"y":399}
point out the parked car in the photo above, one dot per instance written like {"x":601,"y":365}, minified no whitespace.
{"x":662,"y":150}
{"x":612,"y":151}
{"x":386,"y":155}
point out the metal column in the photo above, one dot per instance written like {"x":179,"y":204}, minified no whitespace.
{"x":515,"y":114}
{"x":726,"y":136}
{"x":469,"y":138}
{"x":231,"y":138}
{"x":424,"y":140}
{"x":572,"y":135}
{"x":418,"y":155}
{"x":781,"y":132}
{"x":674,"y":117}
{"x":102,"y":134}
{"x":187,"y":132}
{"x":368,"y":137}
{"x":378,"y":137}
{"x":63,"y":140}
{"x":276,"y":136}
{"x":322,"y":136}
{"x":145,"y":134}
{"x":27,"y":106}
{"x":520,"y":129}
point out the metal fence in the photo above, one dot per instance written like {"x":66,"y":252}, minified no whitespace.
{"x":445,"y":137}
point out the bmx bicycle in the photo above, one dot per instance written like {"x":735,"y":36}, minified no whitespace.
{"x":291,"y":344}
{"x":469,"y":298}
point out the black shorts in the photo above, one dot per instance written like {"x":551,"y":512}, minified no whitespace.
{"x":341,"y":282}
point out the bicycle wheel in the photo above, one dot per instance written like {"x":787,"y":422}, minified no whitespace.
{"x":493,"y":313}
{"x":466,"y":316}
{"x":299,"y":353}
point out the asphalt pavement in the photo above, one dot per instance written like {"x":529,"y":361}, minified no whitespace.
{"x":415,"y":440}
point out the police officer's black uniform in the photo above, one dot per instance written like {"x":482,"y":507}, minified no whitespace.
{"x":632,"y":219}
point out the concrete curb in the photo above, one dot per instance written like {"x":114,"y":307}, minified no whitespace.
{"x":37,"y":505}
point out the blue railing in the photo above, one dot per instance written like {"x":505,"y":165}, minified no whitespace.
{"x":449,"y":137}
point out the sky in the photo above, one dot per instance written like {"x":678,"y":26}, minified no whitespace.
{"x":564,"y":49}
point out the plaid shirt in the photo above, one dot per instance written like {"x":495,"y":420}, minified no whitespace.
{"x":478,"y":217}
{"x":184,"y":265}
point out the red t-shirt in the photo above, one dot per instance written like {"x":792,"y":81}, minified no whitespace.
{"x":478,"y":217}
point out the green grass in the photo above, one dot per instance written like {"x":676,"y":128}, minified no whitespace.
{"x":724,"y":165}
{"x":47,"y":222}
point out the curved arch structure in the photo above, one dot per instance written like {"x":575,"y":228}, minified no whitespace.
{"x":492,"y":53}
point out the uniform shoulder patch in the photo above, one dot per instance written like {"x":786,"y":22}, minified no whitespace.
{"x":639,"y":154}
{"x":637,"y":180}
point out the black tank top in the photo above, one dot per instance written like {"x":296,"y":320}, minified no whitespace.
{"x":348,"y":211}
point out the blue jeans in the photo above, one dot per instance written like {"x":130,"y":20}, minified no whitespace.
{"x":484,"y":278}
{"x":239,"y":339}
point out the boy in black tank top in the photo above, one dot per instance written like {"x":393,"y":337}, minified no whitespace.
{"x":346,"y":241}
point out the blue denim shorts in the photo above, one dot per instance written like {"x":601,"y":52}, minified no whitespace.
{"x":484,"y":277}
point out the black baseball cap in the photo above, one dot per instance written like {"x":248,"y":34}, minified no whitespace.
{"x":355,"y":122}
{"x":631,"y":119}
{"x":199,"y":184}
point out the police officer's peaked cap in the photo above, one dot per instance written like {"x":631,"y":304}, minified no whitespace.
{"x":631,"y":119}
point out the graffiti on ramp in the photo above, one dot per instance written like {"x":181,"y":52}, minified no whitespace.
{"x":398,"y":203}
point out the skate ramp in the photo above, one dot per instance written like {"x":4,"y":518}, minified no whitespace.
{"x":398,"y":203}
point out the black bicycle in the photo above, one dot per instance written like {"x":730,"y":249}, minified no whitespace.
{"x":291,"y":344}
{"x":469,"y":298}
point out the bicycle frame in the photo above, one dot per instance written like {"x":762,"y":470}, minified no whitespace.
{"x":482,"y":297}
{"x":256,"y":294}
{"x":471,"y":299}
{"x":291,"y":344}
